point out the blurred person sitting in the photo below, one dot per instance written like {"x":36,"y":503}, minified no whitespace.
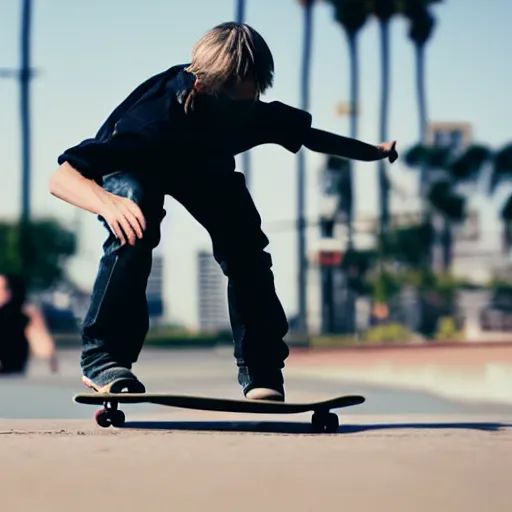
{"x":23,"y":330}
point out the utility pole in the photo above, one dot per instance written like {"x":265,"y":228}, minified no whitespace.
{"x":24,"y":75}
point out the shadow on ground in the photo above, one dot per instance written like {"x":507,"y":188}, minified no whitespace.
{"x":303,"y":428}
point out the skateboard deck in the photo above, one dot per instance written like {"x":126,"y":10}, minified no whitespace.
{"x":322,"y":420}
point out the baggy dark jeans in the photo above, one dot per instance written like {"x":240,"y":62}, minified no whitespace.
{"x":116,"y":323}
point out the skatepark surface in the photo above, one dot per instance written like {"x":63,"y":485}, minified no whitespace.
{"x":402,"y":450}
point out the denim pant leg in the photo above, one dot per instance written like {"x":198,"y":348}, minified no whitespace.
{"x":222,"y":203}
{"x":117,"y":322}
{"x":257,"y":318}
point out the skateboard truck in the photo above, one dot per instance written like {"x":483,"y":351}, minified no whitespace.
{"x":110,"y":415}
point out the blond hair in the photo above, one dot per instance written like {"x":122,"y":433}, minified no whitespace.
{"x":228,"y":53}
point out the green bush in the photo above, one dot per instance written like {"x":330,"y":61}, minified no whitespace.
{"x":447,"y":330}
{"x":388,"y":333}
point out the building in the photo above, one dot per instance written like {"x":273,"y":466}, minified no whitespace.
{"x":154,"y":289}
{"x":212,"y":294}
{"x":455,"y":136}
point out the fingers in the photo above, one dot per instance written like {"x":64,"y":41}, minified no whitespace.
{"x":128,"y":230}
{"x":137,"y":212}
{"x":122,"y":230}
{"x":118,"y":232}
{"x":134,"y":224}
{"x":129,"y":222}
{"x":135,"y":218}
{"x":125,"y":219}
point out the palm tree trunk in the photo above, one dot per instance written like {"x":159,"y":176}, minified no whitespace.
{"x":240,"y":11}
{"x":447,"y":244}
{"x":346,"y":314}
{"x":431,"y":240}
{"x":354,"y":121}
{"x":384,"y":118}
{"x":246,"y":158}
{"x":301,"y":177}
{"x":422,"y":104}
{"x":423,"y":122}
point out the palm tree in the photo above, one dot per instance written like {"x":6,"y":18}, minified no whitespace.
{"x":443,"y":195}
{"x":301,"y":178}
{"x":421,"y":28}
{"x":352,"y":16}
{"x":502,"y":173}
{"x":384,"y":10}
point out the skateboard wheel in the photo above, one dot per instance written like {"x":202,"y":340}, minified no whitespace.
{"x":325,"y":422}
{"x":117,"y":418}
{"x":318,"y":422}
{"x":332,"y":423}
{"x":102,"y":418}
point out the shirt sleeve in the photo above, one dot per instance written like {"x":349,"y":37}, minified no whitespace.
{"x":126,"y":149}
{"x":284,"y":125}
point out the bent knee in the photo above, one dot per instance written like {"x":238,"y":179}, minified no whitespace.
{"x":125,"y":184}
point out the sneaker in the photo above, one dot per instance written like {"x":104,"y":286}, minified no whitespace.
{"x":261,"y":384}
{"x":265,"y":394}
{"x":115,"y":380}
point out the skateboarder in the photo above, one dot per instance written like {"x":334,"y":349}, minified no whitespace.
{"x":177,"y":134}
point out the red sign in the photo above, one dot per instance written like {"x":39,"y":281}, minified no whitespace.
{"x":330,"y":258}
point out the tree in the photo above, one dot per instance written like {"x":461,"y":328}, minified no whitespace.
{"x":301,"y":163}
{"x":384,"y":11}
{"x":502,"y":173}
{"x":49,"y":246}
{"x":352,"y":16}
{"x":442,"y":195}
{"x":421,"y":27}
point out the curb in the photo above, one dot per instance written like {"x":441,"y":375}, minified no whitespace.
{"x":491,"y":384}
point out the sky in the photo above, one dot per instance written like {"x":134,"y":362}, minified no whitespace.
{"x":91,"y":53}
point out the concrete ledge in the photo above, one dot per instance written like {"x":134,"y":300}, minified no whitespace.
{"x":469,"y":372}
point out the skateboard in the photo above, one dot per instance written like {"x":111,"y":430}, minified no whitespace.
{"x":323,"y":420}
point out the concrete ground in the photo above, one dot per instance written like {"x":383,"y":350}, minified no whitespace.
{"x":399,"y":451}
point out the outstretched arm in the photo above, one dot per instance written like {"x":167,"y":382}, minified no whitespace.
{"x":332,"y":144}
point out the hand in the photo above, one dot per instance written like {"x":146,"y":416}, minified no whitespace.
{"x":124,"y":217}
{"x":388,"y":148}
